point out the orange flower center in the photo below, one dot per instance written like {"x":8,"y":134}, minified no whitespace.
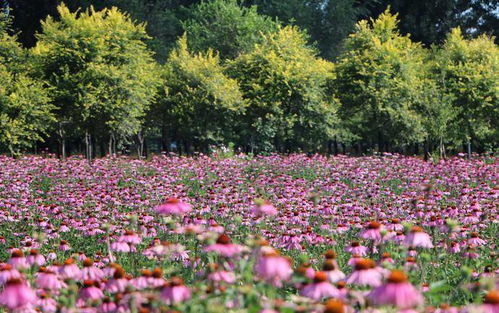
{"x":223,"y":239}
{"x":320,"y":277}
{"x":492,"y":297}
{"x":397,"y":277}
{"x":364,"y":264}
{"x":334,"y":306}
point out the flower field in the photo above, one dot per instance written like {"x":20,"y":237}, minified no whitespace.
{"x":263,"y":234}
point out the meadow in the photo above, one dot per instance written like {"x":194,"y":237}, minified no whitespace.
{"x":256,"y":234}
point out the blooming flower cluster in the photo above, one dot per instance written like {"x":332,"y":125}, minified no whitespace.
{"x":265,"y":234}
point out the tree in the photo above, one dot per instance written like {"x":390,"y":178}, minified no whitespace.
{"x":466,"y":70}
{"x":287,"y":87}
{"x":25,"y":109}
{"x":226,"y":27}
{"x":102,"y":74}
{"x":378,"y":80}
{"x":198,"y":103}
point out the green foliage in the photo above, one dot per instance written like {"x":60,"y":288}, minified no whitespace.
{"x":102,"y":73}
{"x":25,"y":111}
{"x":286,"y":86}
{"x":466,"y":71}
{"x":379,"y":79}
{"x":198,"y":102}
{"x":226,"y":27}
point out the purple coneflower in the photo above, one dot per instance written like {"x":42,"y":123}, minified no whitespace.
{"x":263,"y":208}
{"x":70,"y":270}
{"x":320,"y":288}
{"x":491,"y":302}
{"x":35,"y":258}
{"x":397,"y":292}
{"x":90,"y":272}
{"x":418,"y":238}
{"x":273,"y":268}
{"x":90,"y":291}
{"x":365,"y":274}
{"x":224,"y":247}
{"x":173,"y":206}
{"x":175,"y":291}
{"x":334,"y":274}
{"x":17,"y":260}
{"x":17,"y":294}
{"x":356,"y":248}
{"x":373,"y":231}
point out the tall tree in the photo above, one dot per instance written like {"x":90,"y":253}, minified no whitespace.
{"x":466,"y":70}
{"x":378,"y":81}
{"x":101,"y":71}
{"x":198,"y":104}
{"x":226,"y":27}
{"x":287,"y":87}
{"x":25,"y":109}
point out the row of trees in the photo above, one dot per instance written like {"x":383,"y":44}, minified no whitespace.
{"x":239,"y":77}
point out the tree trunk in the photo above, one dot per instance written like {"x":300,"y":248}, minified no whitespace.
{"x":468,"y":148}
{"x":426,"y":150}
{"x":140,"y":145}
{"x":88,"y":146}
{"x":62,"y":141}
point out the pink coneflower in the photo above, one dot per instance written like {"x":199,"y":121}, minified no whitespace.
{"x":320,"y":288}
{"x":356,"y":248}
{"x":355,"y":257}
{"x":17,"y":294}
{"x":365,"y":274}
{"x":17,"y":260}
{"x":475,"y":240}
{"x":222,"y":276}
{"x":108,"y":306}
{"x":471,"y":253}
{"x":118,"y":283}
{"x":64,"y":246}
{"x":130,"y":237}
{"x":273,"y":268}
{"x":90,"y":291}
{"x":263,"y":208}
{"x":418,"y":238}
{"x":224,"y":247}
{"x":121,"y":246}
{"x":395,"y":225}
{"x":7,"y":272}
{"x":333,"y":273}
{"x":35,"y":258}
{"x":156,"y":280}
{"x":454,"y":247}
{"x":397,"y":292}
{"x":141,"y":282}
{"x":48,"y":280}
{"x":173,"y":206}
{"x":70,"y":270}
{"x":373,"y":231}
{"x":491,"y":302}
{"x":386,"y":258}
{"x":306,"y":270}
{"x":90,"y":272}
{"x":47,"y":304}
{"x":175,"y":291}
{"x":410,"y":263}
